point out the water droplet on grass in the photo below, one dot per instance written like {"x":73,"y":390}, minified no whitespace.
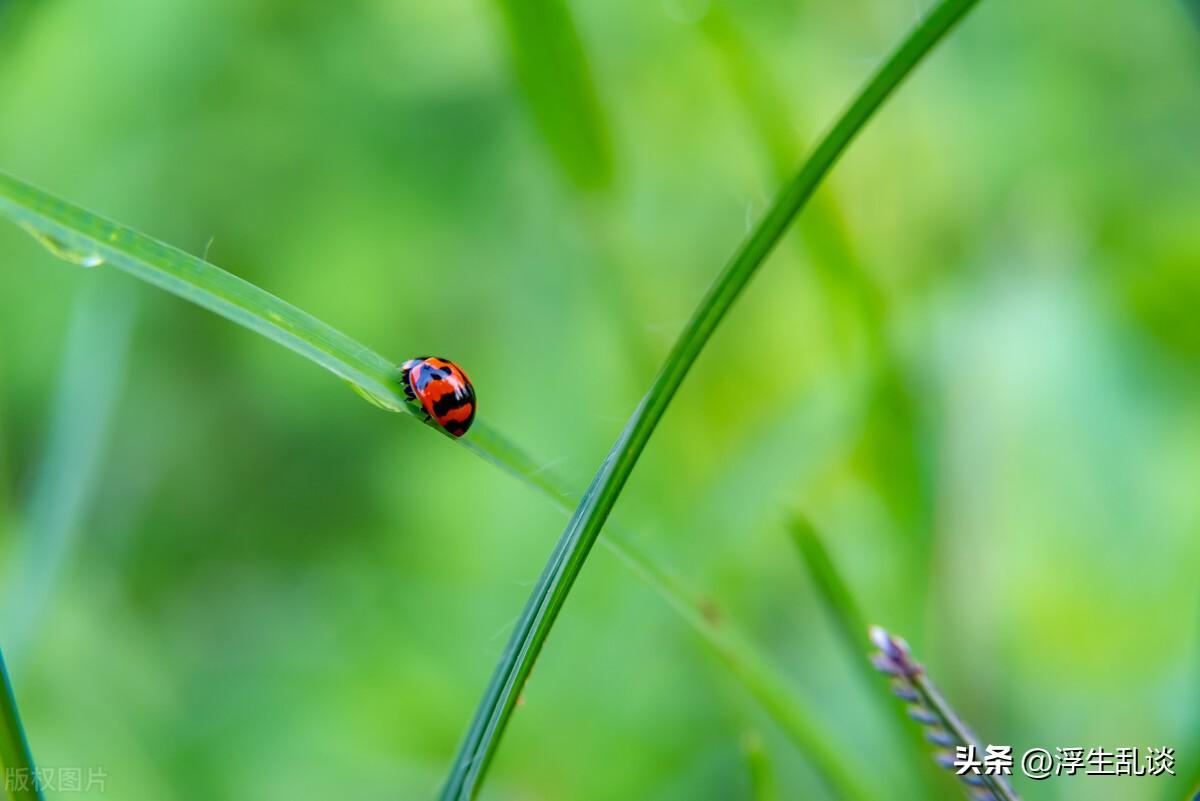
{"x":66,"y":252}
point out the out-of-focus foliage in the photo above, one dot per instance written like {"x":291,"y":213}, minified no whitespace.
{"x":553,"y":75}
{"x":277,"y":591}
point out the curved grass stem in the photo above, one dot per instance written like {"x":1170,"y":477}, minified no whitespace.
{"x":495,"y":709}
{"x":80,"y":236}
{"x":86,"y":239}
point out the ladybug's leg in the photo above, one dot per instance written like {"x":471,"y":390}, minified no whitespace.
{"x":404,"y":383}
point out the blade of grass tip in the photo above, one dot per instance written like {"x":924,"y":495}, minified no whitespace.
{"x":848,"y":620}
{"x":491,"y":718}
{"x":943,"y":727}
{"x":20,"y":779}
{"x":89,"y":386}
{"x":77,"y":235}
{"x":758,"y":766}
{"x":830,"y":585}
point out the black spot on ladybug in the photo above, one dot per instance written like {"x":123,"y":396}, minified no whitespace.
{"x":449,"y":402}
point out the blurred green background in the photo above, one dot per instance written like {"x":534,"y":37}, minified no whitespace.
{"x":974,"y":367}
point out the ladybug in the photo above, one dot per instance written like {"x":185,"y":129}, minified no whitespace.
{"x":442,"y":389}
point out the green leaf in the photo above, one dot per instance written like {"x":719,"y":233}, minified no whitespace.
{"x":18,"y":778}
{"x":495,"y":709}
{"x":84,"y":238}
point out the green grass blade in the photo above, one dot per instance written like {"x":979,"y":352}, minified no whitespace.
{"x":849,"y":623}
{"x":553,"y":75}
{"x":85,"y":238}
{"x":892,"y":417}
{"x":91,"y":377}
{"x":822,"y":233}
{"x":492,"y":716}
{"x":832,"y":588}
{"x":758,"y":766}
{"x":759,"y":676}
{"x":76,"y":235}
{"x":765,"y":683}
{"x":18,"y":778}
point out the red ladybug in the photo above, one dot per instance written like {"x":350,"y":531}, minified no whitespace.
{"x":442,"y":389}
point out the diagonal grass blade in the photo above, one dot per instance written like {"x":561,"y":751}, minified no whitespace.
{"x":84,"y":238}
{"x":483,"y":736}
